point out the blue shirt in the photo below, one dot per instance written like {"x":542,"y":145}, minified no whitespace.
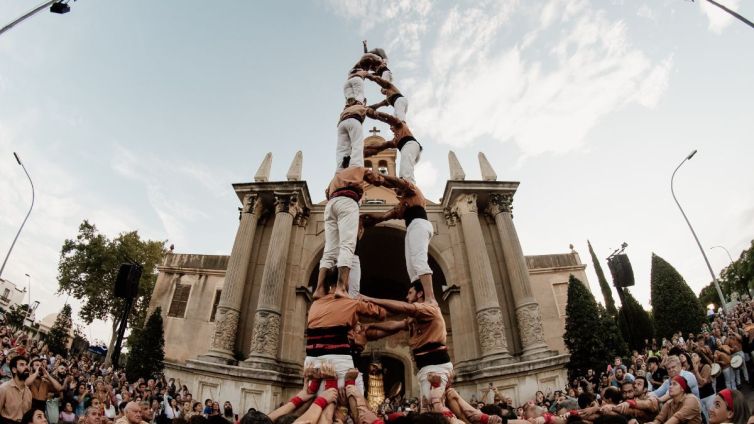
{"x":693,"y":385}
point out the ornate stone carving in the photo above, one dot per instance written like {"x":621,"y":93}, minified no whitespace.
{"x":226,"y":325}
{"x":465,"y":204}
{"x":266,"y":335}
{"x":499,"y":203}
{"x":251,"y":203}
{"x":450,"y":217}
{"x":530,"y":325}
{"x":287,"y":202}
{"x":302,"y":217}
{"x":491,"y":330}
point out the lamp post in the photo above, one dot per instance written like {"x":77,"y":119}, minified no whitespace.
{"x":726,"y":251}
{"x":709,"y":267}
{"x":56,"y":6}
{"x":28,"y":305}
{"x":27,"y":213}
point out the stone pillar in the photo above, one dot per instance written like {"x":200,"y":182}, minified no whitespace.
{"x":527,"y":308}
{"x":229,"y":307}
{"x":265,"y":339}
{"x":489,"y":316}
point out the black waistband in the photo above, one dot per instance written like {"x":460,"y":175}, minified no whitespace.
{"x":356,"y":117}
{"x":406,"y":139}
{"x":414,"y":212}
{"x":391,"y":100}
{"x":431,"y":354}
{"x":346,"y":192}
{"x":328,"y":341}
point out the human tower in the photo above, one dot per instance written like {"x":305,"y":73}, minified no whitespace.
{"x":335,"y":334}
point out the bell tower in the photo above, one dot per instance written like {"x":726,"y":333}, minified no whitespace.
{"x":384,"y":163}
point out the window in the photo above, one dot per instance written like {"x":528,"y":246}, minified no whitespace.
{"x":383,"y":167}
{"x":560,"y":292}
{"x":6,"y":293}
{"x":214,"y":304}
{"x":368,"y":165}
{"x":374,"y":202}
{"x":180,"y":300}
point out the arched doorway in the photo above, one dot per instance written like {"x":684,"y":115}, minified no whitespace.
{"x":384,"y":275}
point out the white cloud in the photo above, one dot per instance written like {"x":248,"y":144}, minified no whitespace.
{"x":428,"y":178}
{"x":543,"y":105}
{"x":646,"y":12}
{"x":718,"y":18}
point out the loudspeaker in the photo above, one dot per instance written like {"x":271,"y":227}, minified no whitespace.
{"x":127,"y":282}
{"x":620,"y":268}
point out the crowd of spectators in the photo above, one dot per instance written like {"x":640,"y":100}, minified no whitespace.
{"x":692,"y":378}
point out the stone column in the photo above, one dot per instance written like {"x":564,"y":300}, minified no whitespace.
{"x":488,"y":313}
{"x":229,"y":308}
{"x":265,"y":339}
{"x":527,"y":308}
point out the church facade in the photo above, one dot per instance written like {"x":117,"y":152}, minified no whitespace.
{"x":234,"y":325}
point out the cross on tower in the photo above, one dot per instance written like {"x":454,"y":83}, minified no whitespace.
{"x":374,"y":131}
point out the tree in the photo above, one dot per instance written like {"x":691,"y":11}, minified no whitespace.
{"x":146,"y":353}
{"x":634,"y":321}
{"x":612,"y":340}
{"x":607,"y":294}
{"x":16,"y":315}
{"x":582,"y":329}
{"x":57,"y":338}
{"x":674,"y":305}
{"x":88,"y":269}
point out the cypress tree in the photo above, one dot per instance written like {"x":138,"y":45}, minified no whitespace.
{"x":146,"y":353}
{"x":675,"y":307}
{"x":583,"y":329}
{"x":57,"y":338}
{"x":634,"y":321}
{"x":612,"y":341}
{"x":607,"y":294}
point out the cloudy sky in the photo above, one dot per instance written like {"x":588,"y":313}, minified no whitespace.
{"x":140,"y":114}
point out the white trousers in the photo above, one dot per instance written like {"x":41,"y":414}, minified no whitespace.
{"x":354,"y":278}
{"x":410,"y":155}
{"x":341,"y":228}
{"x":401,"y":107}
{"x":342,"y":364}
{"x":418,"y":234}
{"x":350,"y":143}
{"x":354,"y":89}
{"x":443,"y":370}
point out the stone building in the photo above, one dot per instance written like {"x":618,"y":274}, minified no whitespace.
{"x":234,"y":325}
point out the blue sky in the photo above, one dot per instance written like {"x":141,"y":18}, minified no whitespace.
{"x":139,"y":115}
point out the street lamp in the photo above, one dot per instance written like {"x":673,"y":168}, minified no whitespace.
{"x":726,"y":251}
{"x":56,"y":6}
{"x":27,"y":213}
{"x":709,"y":267}
{"x":28,"y":305}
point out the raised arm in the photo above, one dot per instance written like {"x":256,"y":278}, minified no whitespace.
{"x":381,"y":82}
{"x":376,"y":106}
{"x":384,"y":329}
{"x":384,"y":117}
{"x":311,"y":384}
{"x":394,"y":306}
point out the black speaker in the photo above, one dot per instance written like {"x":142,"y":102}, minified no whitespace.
{"x":620,"y":268}
{"x":127,"y":282}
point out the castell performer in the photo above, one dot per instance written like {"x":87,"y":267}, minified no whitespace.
{"x":403,"y":140}
{"x":342,"y":224}
{"x":329,"y":327}
{"x":354,"y":86}
{"x":393,"y":97}
{"x":382,"y":70}
{"x":350,"y":148}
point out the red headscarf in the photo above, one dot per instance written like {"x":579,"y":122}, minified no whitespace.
{"x":683,"y":383}
{"x":727,"y":396}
